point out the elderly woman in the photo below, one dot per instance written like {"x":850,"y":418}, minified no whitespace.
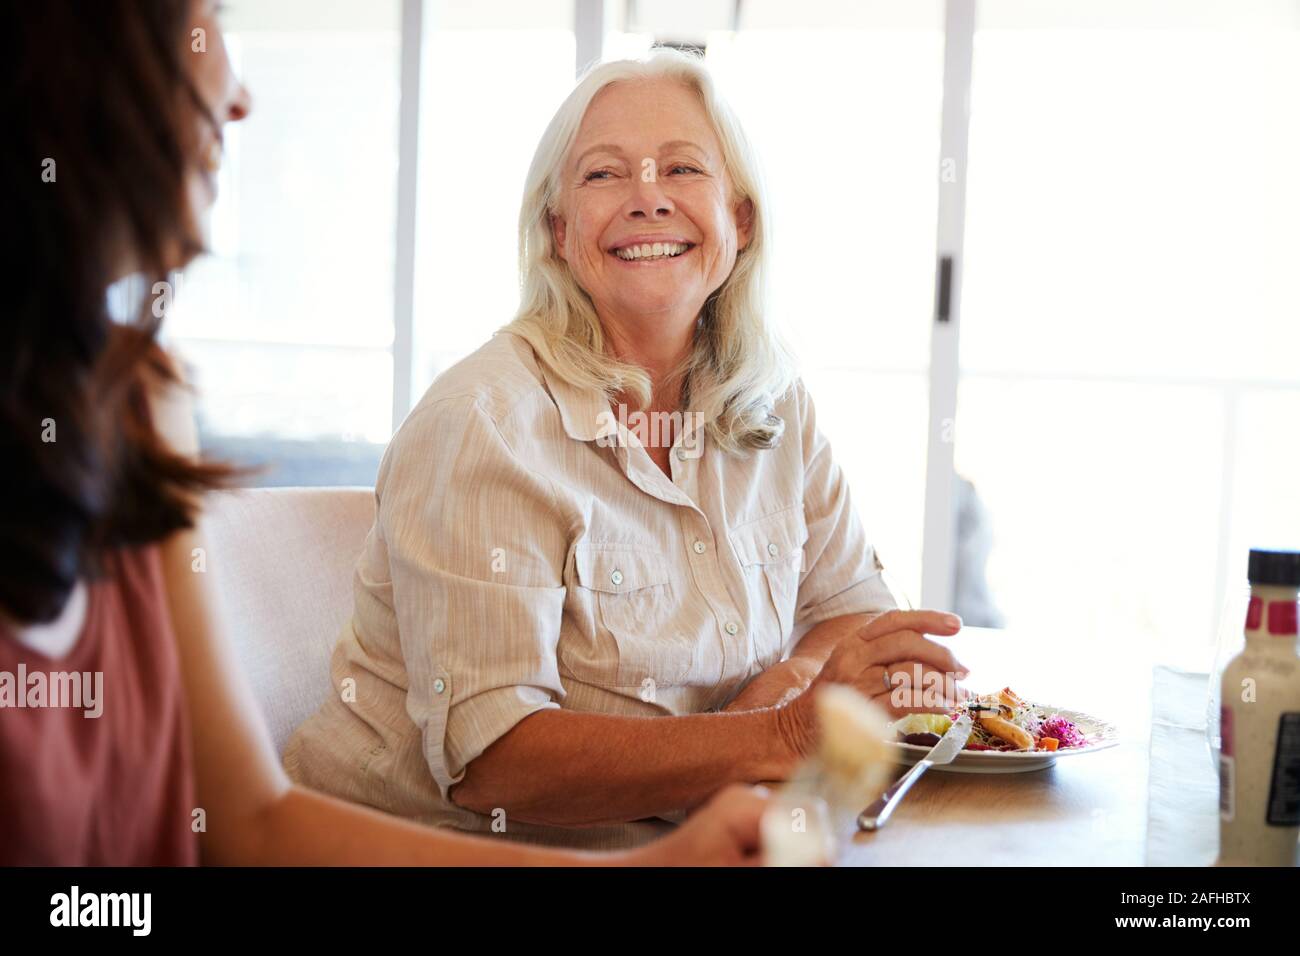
{"x":619,"y":508}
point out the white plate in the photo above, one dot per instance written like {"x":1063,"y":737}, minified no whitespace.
{"x":1100,"y":733}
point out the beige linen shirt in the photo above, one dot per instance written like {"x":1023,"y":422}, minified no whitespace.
{"x":519,"y":562}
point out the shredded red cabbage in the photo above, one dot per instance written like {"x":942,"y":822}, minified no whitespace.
{"x":1063,"y":730}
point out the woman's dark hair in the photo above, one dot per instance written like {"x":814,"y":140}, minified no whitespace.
{"x":101,"y":122}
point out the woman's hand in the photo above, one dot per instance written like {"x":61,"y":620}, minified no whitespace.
{"x":890,"y":662}
{"x":724,"y":832}
{"x":783,"y":682}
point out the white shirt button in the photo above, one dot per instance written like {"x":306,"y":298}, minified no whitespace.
{"x":439,"y":686}
{"x":773,"y":550}
{"x":699,"y":547}
{"x":681,"y":454}
{"x":616,"y":576}
{"x":733,"y":628}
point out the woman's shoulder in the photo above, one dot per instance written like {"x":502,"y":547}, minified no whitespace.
{"x":794,"y":405}
{"x":483,"y":412}
{"x":498,"y":389}
{"x":796,"y":398}
{"x":496,"y":377}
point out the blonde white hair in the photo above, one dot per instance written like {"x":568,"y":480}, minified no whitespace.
{"x":738,"y":368}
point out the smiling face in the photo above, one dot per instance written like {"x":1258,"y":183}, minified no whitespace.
{"x":647,"y":220}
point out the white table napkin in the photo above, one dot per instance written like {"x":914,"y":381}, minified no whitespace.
{"x":1183,"y":795}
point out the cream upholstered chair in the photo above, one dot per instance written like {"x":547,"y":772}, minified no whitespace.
{"x":281,"y":560}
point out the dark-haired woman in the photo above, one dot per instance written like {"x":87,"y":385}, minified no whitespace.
{"x":114,"y":113}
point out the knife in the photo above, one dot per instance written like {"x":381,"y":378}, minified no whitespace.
{"x":874,"y":817}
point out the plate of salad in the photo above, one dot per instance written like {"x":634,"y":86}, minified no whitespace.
{"x":1008,"y":734}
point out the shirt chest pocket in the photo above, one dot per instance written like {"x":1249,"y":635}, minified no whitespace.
{"x":770,"y":551}
{"x":624,"y":607}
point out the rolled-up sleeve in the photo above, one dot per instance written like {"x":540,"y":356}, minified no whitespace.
{"x":476,"y":559}
{"x":841,"y":573}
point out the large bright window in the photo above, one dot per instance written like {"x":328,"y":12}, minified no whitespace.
{"x":1129,"y":394}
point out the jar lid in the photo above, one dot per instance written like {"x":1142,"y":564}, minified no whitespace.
{"x":1274,"y":567}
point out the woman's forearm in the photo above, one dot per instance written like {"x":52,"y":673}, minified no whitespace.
{"x":304,"y":828}
{"x":564,"y":768}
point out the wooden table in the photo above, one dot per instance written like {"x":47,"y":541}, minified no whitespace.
{"x":1087,"y":810}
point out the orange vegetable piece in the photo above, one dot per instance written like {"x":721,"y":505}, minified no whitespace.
{"x":1048,"y":743}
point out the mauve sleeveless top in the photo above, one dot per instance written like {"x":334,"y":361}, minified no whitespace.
{"x":111,"y":790}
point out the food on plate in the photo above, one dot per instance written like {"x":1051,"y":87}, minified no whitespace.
{"x":1003,"y":722}
{"x":924,"y":730}
{"x":1004,"y":729}
{"x":1063,"y":731}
